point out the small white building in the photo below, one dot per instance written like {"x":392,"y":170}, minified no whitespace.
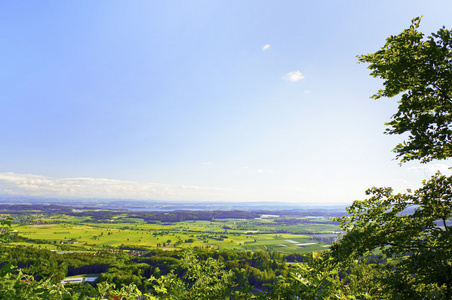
{"x":78,"y":280}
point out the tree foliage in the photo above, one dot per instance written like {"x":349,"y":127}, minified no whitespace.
{"x":5,"y":230}
{"x":410,"y":231}
{"x":420,"y":69}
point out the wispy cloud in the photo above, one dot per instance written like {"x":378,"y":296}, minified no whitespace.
{"x":257,"y":170}
{"x":293,"y":76}
{"x":296,"y":189}
{"x":36,"y":185}
{"x":207,"y":163}
{"x":402,"y":181}
{"x":431,"y":168}
{"x":307,"y":92}
{"x":264,"y":171}
{"x":266,"y":47}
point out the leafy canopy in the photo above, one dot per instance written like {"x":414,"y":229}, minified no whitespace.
{"x":411,"y":231}
{"x":421,"y":71}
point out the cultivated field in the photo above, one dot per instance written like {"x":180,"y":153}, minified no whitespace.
{"x":74,"y":233}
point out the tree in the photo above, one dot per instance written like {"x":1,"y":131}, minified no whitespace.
{"x":208,"y":279}
{"x":421,"y":71}
{"x":411,"y":230}
{"x":5,"y":230}
{"x":203,"y":279}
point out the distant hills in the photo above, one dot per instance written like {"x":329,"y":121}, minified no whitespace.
{"x":158,"y":205}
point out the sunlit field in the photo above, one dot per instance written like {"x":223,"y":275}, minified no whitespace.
{"x":68,"y":233}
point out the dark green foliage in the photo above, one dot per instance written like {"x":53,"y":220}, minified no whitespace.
{"x":197,"y":274}
{"x":179,"y":216}
{"x":5,"y":229}
{"x":421,"y":71}
{"x":419,"y":243}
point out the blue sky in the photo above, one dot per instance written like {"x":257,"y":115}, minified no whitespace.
{"x":200,"y":100}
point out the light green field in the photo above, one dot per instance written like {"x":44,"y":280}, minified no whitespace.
{"x":133,"y":233}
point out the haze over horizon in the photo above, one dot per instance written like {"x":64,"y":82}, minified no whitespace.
{"x":201,"y":100}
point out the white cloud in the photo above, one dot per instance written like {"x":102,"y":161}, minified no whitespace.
{"x":207,"y":163}
{"x":264,"y":171}
{"x":295,"y":189}
{"x":431,"y":168}
{"x":402,"y":181}
{"x":260,"y":171}
{"x":266,"y":47}
{"x":293,"y":76}
{"x":191,"y":187}
{"x":307,"y":92}
{"x":36,"y":185}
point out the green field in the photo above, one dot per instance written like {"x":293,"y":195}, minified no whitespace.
{"x":73,"y":233}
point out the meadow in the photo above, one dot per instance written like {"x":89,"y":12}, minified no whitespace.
{"x":82,"y":233}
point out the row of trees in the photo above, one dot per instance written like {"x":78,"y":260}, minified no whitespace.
{"x":156,"y":272}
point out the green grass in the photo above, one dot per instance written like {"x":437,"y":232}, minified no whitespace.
{"x":134,"y":233}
